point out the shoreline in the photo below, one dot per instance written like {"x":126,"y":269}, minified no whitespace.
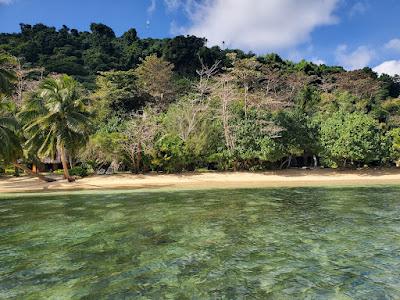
{"x":207,"y":180}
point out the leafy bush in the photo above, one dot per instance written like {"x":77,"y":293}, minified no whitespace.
{"x":80,"y":171}
{"x":353,"y":138}
{"x":394,"y":138}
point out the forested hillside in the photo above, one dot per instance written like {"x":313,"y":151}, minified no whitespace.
{"x":175,"y":104}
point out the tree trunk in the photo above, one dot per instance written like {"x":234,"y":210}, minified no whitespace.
{"x":65,"y":165}
{"x":288,"y":161}
{"x":246,"y":90}
{"x":139,"y":156}
{"x":28,"y":171}
{"x":315,"y":161}
{"x":71,"y":161}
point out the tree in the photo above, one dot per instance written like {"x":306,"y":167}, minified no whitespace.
{"x":394,"y":135}
{"x":11,"y":148}
{"x":117,"y":94}
{"x":182,"y":52}
{"x":247,"y":72}
{"x":103,"y":148}
{"x":154,"y":76}
{"x":363,"y":84}
{"x":353,"y":138}
{"x":225,"y":91}
{"x":139,"y":136}
{"x":28,"y":80}
{"x":58,"y":119}
{"x":299,"y":135}
{"x":257,"y":140}
{"x":7,"y":75}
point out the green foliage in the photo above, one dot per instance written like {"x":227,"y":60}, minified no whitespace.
{"x":158,"y":104}
{"x":80,"y":171}
{"x":394,"y":138}
{"x":350,"y":138}
{"x":171,"y":154}
{"x":308,"y":99}
{"x":11,"y":148}
{"x":117,"y":94}
{"x":300,"y":133}
{"x":102,"y":149}
{"x":154,"y":77}
{"x":256,"y":141}
{"x":56,"y":120}
{"x":56,"y":117}
{"x":7,"y":75}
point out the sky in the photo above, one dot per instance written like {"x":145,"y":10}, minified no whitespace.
{"x":350,"y":33}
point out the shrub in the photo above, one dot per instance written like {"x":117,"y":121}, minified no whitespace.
{"x":80,"y":171}
{"x":353,"y":138}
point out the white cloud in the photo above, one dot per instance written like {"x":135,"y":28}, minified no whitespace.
{"x":357,"y":59}
{"x":359,"y":7}
{"x":393,"y":44}
{"x":151,"y":8}
{"x":5,"y":2}
{"x":390,"y":67}
{"x":258,"y":25}
{"x":318,"y":61}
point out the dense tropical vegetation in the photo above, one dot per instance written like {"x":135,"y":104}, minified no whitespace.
{"x":125,"y":103}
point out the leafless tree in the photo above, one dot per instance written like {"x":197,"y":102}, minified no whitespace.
{"x":203,"y":86}
{"x":25,"y":84}
{"x":281,"y":87}
{"x":226,"y":92}
{"x":247,"y":73}
{"x":189,"y":112}
{"x":139,"y":137}
{"x":359,"y":83}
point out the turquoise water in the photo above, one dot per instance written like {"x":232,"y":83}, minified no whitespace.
{"x":300,"y":243}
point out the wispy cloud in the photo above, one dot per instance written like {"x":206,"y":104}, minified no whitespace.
{"x":257,"y":25}
{"x":152,"y":7}
{"x":356,"y":59}
{"x":5,"y":2}
{"x":393,"y":44}
{"x":358,"y":8}
{"x":172,"y":5}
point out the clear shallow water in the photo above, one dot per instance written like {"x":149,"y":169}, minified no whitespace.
{"x":312,"y":243}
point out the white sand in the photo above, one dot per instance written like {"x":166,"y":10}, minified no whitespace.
{"x":287,"y":178}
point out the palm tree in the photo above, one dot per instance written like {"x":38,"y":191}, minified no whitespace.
{"x":57,"y":120}
{"x":11,"y":149}
{"x":7,"y":76}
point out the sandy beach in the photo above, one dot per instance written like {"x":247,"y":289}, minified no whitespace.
{"x":285,"y":178}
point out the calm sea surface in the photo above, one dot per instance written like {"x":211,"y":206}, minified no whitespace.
{"x":298,"y":243}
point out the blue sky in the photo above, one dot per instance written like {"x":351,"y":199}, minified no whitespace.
{"x":353,"y":33}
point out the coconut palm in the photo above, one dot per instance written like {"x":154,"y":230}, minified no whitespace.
{"x":10,"y":143}
{"x":11,"y":149}
{"x":57,"y":120}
